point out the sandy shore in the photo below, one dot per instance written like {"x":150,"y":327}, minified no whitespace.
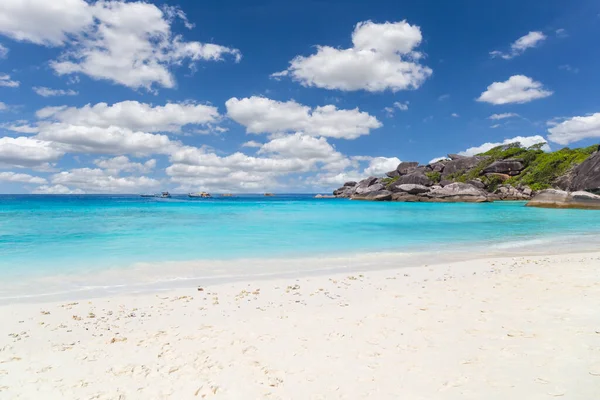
{"x":513,"y":328}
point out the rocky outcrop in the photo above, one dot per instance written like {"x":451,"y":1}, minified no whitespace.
{"x":508,"y":167}
{"x":415,"y":178}
{"x":379,"y":195}
{"x":403,"y":168}
{"x":508,"y":192}
{"x":458,"y":192}
{"x":553,"y":198}
{"x":461,"y":164}
{"x":409,"y":188}
{"x":586,"y":176}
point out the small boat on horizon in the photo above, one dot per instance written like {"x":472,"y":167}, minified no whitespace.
{"x":161,"y":195}
{"x":203,"y":195}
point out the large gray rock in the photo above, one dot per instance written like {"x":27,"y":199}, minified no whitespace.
{"x":477,"y":183}
{"x":438,"y":166}
{"x":380,"y":195}
{"x":393,"y":174}
{"x":458,"y":192}
{"x":350,"y":183}
{"x":368,"y":189}
{"x":508,"y":192}
{"x":411,"y":189}
{"x":414,"y":178}
{"x":509,"y":167}
{"x":406,"y":167}
{"x":586,"y":176}
{"x":553,"y":198}
{"x":461,"y":164}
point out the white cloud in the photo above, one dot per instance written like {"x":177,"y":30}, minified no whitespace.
{"x":561,"y":33}
{"x":575,"y":129}
{"x":380,"y":165}
{"x":42,"y":21}
{"x":132,"y":44}
{"x":56,"y":189}
{"x":503,"y":116}
{"x":21,"y":127}
{"x":382,"y":57}
{"x":252,"y":143}
{"x":526,"y":141}
{"x":94,"y":180}
{"x":455,"y":115}
{"x":263,"y":115}
{"x":119,"y":164}
{"x":401,"y":106}
{"x":3,"y":51}
{"x":517,"y":89}
{"x":111,"y":140}
{"x":22,"y":178}
{"x":531,"y":40}
{"x":496,"y":126}
{"x":128,"y":43}
{"x":27,"y":152}
{"x":47,"y":92}
{"x":7,"y":82}
{"x":134,"y":115}
{"x":434,"y":160}
{"x":397,"y":105}
{"x":3,"y":106}
{"x":443,"y":97}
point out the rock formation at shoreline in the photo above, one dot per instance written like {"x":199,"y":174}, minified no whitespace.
{"x":508,"y":172}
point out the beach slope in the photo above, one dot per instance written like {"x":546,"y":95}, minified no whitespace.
{"x":512,"y":328}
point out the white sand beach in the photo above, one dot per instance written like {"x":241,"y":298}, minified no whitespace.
{"x":510,"y":328}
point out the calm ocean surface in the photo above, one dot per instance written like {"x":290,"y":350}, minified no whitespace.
{"x":46,"y":235}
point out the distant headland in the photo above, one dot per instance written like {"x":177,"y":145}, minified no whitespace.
{"x":566,"y":178}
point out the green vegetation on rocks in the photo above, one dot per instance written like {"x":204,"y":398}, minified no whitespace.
{"x":541,"y":169}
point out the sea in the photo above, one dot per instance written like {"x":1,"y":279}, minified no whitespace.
{"x":54,"y":245}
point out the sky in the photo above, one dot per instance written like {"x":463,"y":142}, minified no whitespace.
{"x":282,"y":96}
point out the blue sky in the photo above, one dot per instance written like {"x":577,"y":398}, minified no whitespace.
{"x":253,"y":96}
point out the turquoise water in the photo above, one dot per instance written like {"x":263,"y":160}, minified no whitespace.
{"x":64,"y":234}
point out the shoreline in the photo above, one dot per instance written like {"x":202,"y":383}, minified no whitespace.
{"x":495,"y":328}
{"x":148,"y":278}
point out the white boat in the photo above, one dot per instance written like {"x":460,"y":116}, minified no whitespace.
{"x":201,"y":194}
{"x":162,"y":195}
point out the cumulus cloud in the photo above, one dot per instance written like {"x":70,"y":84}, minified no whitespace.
{"x":44,"y":22}
{"x":252,"y":143}
{"x":27,"y":152}
{"x":575,"y":129}
{"x":95,"y":180}
{"x":517,"y":89}
{"x":3,"y":51}
{"x":111,"y":140}
{"x":455,"y":115}
{"x":382,"y":57}
{"x":47,"y":92}
{"x":56,"y":189}
{"x":6,"y":81}
{"x":263,"y":115}
{"x":22,"y":178}
{"x":525,"y":141}
{"x":128,"y":43}
{"x":397,"y":105}
{"x":134,"y":115}
{"x":119,"y":164}
{"x":531,"y":40}
{"x":502,"y":116}
{"x":380,"y":165}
